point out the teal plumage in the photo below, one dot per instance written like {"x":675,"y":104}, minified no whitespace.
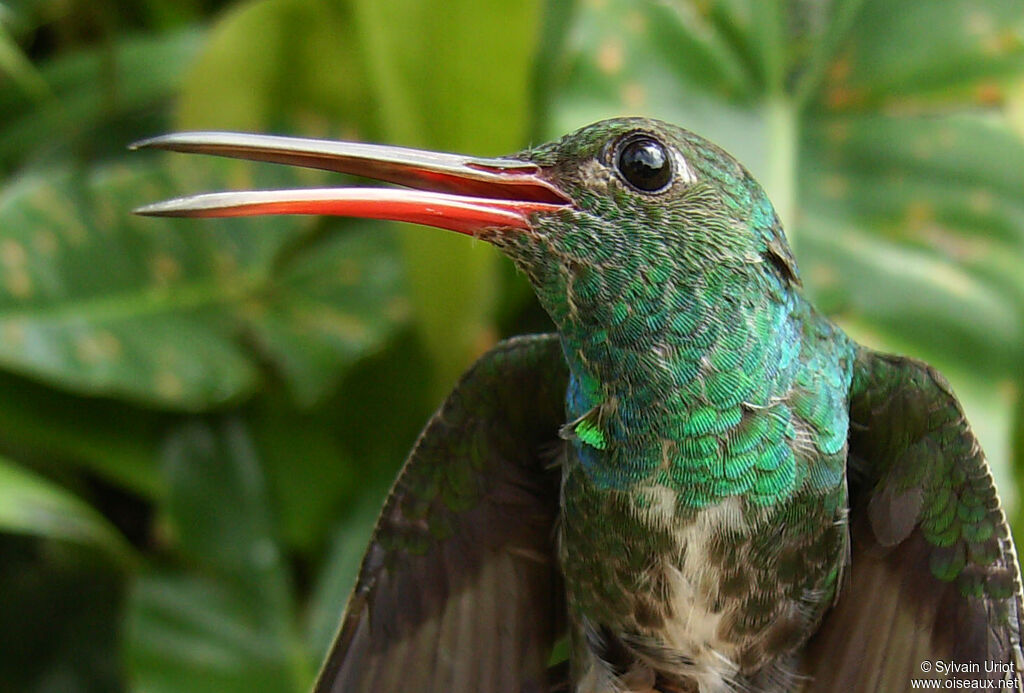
{"x":700,"y":480}
{"x":680,"y":351}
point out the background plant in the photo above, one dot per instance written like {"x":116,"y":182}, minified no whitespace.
{"x":198,"y":421}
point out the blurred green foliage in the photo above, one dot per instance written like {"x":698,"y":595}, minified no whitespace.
{"x":199,"y":420}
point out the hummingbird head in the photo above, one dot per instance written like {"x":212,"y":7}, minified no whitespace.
{"x":616,"y":211}
{"x":651,"y":204}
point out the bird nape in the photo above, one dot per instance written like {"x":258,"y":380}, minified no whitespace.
{"x":699,"y":481}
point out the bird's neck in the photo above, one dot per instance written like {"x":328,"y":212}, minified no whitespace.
{"x":663,"y":381}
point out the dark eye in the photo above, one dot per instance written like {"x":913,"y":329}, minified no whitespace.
{"x":644,"y":163}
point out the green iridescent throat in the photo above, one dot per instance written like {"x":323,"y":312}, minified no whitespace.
{"x":681,"y":320}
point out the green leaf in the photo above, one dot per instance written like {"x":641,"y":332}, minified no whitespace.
{"x":551,"y":59}
{"x":912,"y":294}
{"x":334,"y":301}
{"x":188,"y":633}
{"x":912,"y":174}
{"x":117,"y":442}
{"x":310,"y":472}
{"x":102,"y":99}
{"x":653,"y":58}
{"x":438,"y":84}
{"x":31,"y":504}
{"x":327,"y":458}
{"x":235,"y":632}
{"x":61,"y":617}
{"x":99,"y":301}
{"x":338,"y":575}
{"x":286,"y":65}
{"x":1016,"y":391}
{"x":217,"y":503}
{"x":941,"y":198}
{"x":95,"y":299}
{"x":15,"y":65}
{"x":891,"y":59}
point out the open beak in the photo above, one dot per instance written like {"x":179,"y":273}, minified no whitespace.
{"x":460,"y":193}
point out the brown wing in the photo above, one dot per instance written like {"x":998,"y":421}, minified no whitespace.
{"x":934,"y":587}
{"x":459,"y":590}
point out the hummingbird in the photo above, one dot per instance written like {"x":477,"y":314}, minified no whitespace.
{"x":699,"y":483}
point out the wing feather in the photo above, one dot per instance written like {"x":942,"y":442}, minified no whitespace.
{"x":459,"y":590}
{"x":934,"y":574}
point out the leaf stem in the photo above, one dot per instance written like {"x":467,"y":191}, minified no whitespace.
{"x":768,"y":18}
{"x":1016,"y":503}
{"x":782,"y":116}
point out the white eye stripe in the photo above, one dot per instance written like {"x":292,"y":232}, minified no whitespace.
{"x":595,"y":174}
{"x":683,"y":170}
